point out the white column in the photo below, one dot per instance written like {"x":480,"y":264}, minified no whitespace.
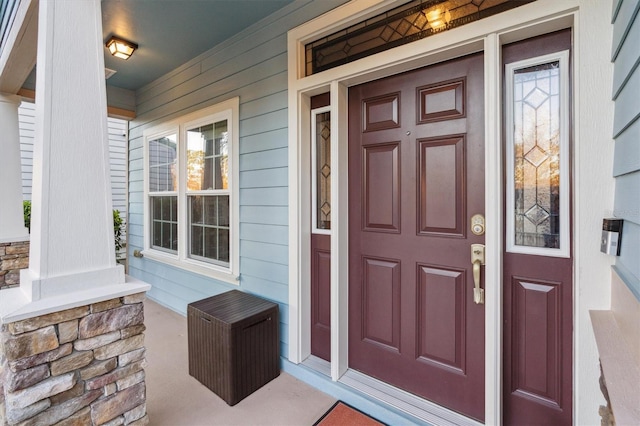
{"x":11,"y":218}
{"x":72,"y":245}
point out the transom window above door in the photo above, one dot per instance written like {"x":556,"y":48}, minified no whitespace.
{"x":409,"y":22}
{"x":191,"y":214}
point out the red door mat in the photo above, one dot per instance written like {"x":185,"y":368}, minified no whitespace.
{"x":341,"y":414}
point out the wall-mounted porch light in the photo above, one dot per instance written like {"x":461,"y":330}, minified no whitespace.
{"x":120,"y":48}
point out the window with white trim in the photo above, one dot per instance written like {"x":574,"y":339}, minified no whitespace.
{"x":191,"y":201}
{"x":537,"y":153}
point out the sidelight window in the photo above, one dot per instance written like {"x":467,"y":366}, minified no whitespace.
{"x":321,"y":170}
{"x":537,"y":155}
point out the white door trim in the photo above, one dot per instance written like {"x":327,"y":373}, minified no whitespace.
{"x":487,"y":35}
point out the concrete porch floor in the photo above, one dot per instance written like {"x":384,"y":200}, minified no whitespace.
{"x":176,"y":399}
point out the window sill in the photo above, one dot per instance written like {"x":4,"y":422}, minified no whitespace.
{"x":621,"y":371}
{"x":192,"y":266}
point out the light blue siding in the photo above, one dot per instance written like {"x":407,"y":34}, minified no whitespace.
{"x":622,"y":24}
{"x":627,"y":198}
{"x":255,"y":178}
{"x":264,"y":233}
{"x":252,"y":66}
{"x":266,"y":252}
{"x":627,"y":108}
{"x":264,"y":141}
{"x":627,"y":59}
{"x":264,"y":160}
{"x":264,"y":196}
{"x":627,"y":152}
{"x":264,"y":214}
{"x":626,"y":131}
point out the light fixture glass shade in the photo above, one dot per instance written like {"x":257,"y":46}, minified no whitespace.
{"x":121,"y":48}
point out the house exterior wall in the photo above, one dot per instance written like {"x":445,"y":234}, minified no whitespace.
{"x":626,"y":132}
{"x":252,"y":66}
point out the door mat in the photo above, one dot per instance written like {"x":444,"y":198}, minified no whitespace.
{"x":341,"y":414}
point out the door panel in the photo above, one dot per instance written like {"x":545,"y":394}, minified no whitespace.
{"x":538,"y":289}
{"x":321,"y":242}
{"x":321,"y":296}
{"x":441,"y":310}
{"x":536,"y":334}
{"x":442,"y":185}
{"x":381,"y":296}
{"x":416,"y":157}
{"x":381,"y":192}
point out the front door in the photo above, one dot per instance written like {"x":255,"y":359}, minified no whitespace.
{"x":416,"y":178}
{"x":538,"y":265}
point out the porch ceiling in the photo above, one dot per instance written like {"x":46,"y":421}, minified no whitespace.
{"x":171,"y":32}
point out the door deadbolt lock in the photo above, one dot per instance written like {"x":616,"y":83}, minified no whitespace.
{"x":477,"y":224}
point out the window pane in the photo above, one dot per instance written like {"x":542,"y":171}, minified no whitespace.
{"x":223,"y":210}
{"x":207,"y":153}
{"x":162,"y":164}
{"x":166,"y":235}
{"x":211,"y":243}
{"x":223,"y":245}
{"x":196,"y":241}
{"x":157,"y":233}
{"x":164,"y":229}
{"x":323,"y":170}
{"x":210,"y":210}
{"x":209,"y":228}
{"x":536,"y":159}
{"x":196,"y":210}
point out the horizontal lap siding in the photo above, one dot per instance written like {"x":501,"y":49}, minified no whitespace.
{"x":27,"y":125}
{"x":626,"y":131}
{"x":117,"y":134}
{"x":252,"y":66}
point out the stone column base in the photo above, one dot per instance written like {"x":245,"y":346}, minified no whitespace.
{"x":13,"y":257}
{"x":80,"y":366}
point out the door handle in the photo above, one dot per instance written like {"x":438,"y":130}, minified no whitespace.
{"x":477,"y":259}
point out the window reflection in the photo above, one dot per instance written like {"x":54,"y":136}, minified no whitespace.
{"x":323,"y":170}
{"x":536,"y":110}
{"x":207,"y":157}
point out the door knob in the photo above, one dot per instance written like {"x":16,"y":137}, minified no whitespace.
{"x":477,"y":259}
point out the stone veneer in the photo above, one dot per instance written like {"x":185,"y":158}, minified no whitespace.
{"x":81,"y":366}
{"x":13,"y":257}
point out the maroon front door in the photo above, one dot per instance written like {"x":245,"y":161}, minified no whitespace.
{"x":320,"y":229}
{"x":416,"y":177}
{"x":538,"y":288}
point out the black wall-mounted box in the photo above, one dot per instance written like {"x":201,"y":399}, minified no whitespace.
{"x":611,"y":236}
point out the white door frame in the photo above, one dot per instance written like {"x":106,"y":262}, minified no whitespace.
{"x":487,"y":35}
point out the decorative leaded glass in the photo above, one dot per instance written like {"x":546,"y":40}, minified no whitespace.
{"x":323,"y":170}
{"x":412,"y":21}
{"x":536,"y":121}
